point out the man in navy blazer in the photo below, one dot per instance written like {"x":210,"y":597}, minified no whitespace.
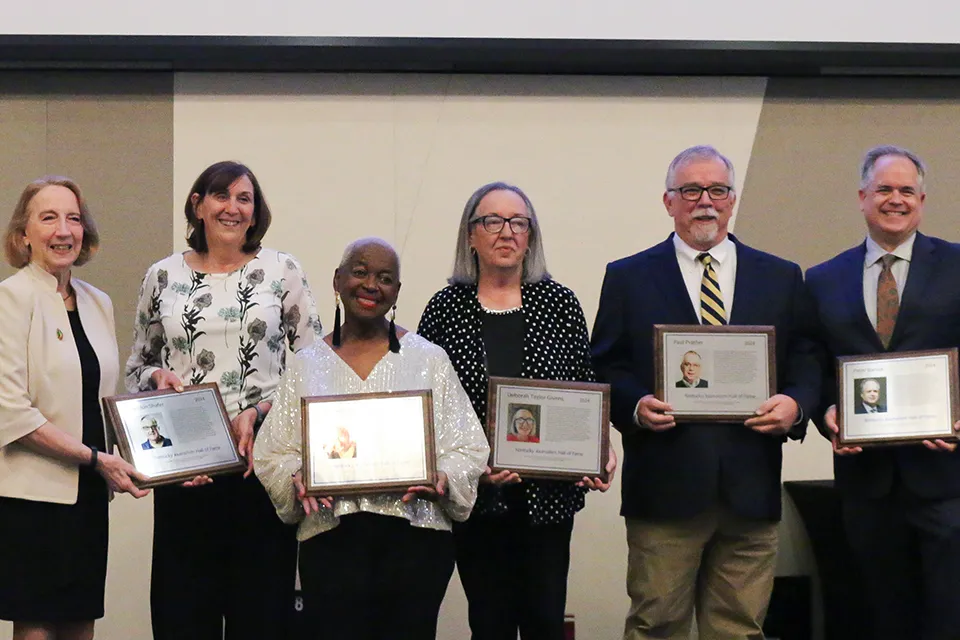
{"x":901,"y":504}
{"x":701,"y":501}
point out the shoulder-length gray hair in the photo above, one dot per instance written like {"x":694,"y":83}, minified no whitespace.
{"x":466,"y":269}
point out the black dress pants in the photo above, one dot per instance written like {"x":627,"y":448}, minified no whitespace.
{"x":375,"y":577}
{"x":909,"y":552}
{"x":224,"y":564}
{"x":514,"y":575}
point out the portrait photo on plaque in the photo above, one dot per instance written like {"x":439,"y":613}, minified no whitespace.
{"x":897,"y":398}
{"x":714,"y":373}
{"x":368,"y":443}
{"x":549,"y":429}
{"x":174,"y":436}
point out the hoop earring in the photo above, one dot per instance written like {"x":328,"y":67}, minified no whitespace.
{"x":392,"y":331}
{"x":336,"y":321}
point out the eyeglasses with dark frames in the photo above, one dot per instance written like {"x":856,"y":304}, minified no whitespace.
{"x":693,"y":192}
{"x":494,"y":224}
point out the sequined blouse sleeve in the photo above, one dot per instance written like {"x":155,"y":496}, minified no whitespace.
{"x":462,"y":449}
{"x":277,"y":449}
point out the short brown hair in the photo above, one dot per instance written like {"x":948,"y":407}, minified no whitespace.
{"x":18,"y":253}
{"x":217,"y":178}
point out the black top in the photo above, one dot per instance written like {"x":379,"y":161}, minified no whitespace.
{"x":93,"y":434}
{"x":555,"y":346}
{"x":503,"y":342}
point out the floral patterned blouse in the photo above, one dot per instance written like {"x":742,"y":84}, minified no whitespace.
{"x":233,"y":328}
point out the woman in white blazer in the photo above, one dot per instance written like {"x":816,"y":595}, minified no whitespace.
{"x":58,"y":357}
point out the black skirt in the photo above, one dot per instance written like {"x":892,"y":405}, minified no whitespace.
{"x":54,"y":556}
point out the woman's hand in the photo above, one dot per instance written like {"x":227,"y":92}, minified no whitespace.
{"x":595,"y":484}
{"x":166,"y":379}
{"x":120,"y":475}
{"x":242,"y":428}
{"x":198,"y":481}
{"x":499,"y":478}
{"x":309,"y":503}
{"x":426,"y":491}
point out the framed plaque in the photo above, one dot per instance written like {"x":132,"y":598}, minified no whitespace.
{"x":368,"y":442}
{"x":174,"y":436}
{"x":714,"y":374}
{"x":897,"y":398}
{"x":549,"y":429}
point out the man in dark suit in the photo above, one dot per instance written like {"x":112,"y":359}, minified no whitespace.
{"x":690,"y":367}
{"x":869,"y":397}
{"x":897,"y":291}
{"x":701,"y":501}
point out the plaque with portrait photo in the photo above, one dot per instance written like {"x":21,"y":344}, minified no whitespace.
{"x":174,"y":436}
{"x":549,"y":429}
{"x":897,"y":398}
{"x":368,"y":442}
{"x":714,"y":373}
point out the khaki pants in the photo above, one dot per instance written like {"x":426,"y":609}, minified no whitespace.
{"x":717,"y":562}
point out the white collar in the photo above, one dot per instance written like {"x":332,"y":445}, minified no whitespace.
{"x":904,"y":250}
{"x":719,"y":252}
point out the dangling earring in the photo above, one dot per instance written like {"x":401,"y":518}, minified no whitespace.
{"x":336,"y":321}
{"x":392,"y":331}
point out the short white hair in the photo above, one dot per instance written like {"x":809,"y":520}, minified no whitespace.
{"x":360,"y":243}
{"x":699,"y":152}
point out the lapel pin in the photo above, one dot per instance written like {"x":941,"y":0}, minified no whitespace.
{"x":59,"y":334}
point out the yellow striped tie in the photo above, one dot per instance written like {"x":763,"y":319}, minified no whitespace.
{"x":711,"y":302}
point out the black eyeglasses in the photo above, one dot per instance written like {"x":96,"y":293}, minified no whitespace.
{"x":494,"y":223}
{"x":527,"y":421}
{"x":692,"y":192}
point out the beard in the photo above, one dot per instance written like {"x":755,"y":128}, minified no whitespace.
{"x":706,"y":232}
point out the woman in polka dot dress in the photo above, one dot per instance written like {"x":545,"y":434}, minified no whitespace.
{"x":502,"y":315}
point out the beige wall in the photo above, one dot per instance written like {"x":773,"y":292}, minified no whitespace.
{"x":341,"y":156}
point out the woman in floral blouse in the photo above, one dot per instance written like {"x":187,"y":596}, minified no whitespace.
{"x":226,"y":311}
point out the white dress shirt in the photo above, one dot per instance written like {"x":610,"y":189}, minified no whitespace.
{"x":872,"y":266}
{"x":724,"y":257}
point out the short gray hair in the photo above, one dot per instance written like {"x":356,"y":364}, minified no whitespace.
{"x":363,"y":242}
{"x":466,"y":269}
{"x":874,"y":154}
{"x":699,"y":152}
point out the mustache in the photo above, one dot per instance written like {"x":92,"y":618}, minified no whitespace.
{"x":707,"y":214}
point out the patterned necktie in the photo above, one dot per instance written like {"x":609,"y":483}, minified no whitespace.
{"x":888,"y":300}
{"x":711,"y":302}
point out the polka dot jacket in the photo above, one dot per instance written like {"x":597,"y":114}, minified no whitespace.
{"x":556,"y":346}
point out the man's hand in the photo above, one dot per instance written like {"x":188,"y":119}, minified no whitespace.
{"x":830,"y":419}
{"x":943,"y":445}
{"x":775,"y":416}
{"x":652,"y":414}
